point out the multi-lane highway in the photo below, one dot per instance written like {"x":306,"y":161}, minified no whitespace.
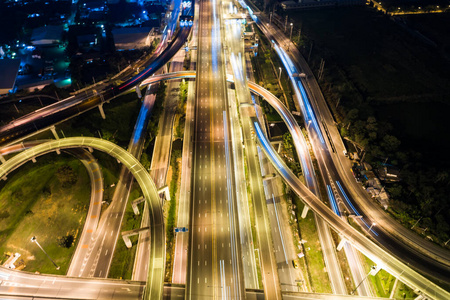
{"x":100,"y":249}
{"x":404,"y":275}
{"x":180,"y":260}
{"x":413,"y":249}
{"x":235,"y":47}
{"x":214,"y":269}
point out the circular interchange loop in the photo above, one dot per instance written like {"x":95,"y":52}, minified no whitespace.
{"x":155,"y":279}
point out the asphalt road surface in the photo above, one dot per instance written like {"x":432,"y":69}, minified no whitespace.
{"x":213,"y":270}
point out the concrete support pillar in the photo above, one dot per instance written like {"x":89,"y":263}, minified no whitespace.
{"x":269,"y":176}
{"x":138,"y":92}
{"x":58,"y":151}
{"x":126,"y":235}
{"x":4,"y":178}
{"x":134,"y":204}
{"x":33,"y":159}
{"x":341,"y":244}
{"x":2,"y":159}
{"x":126,"y":240}
{"x":165,"y":190}
{"x":277,"y":144}
{"x":305,"y":211}
{"x":55,"y":134}
{"x":90,"y":149}
{"x":102,"y":112}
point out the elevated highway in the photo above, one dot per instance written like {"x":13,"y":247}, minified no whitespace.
{"x":430,"y":258}
{"x":377,"y":254}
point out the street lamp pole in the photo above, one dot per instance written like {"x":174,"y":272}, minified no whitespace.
{"x":34,"y":240}
{"x":416,"y":222}
{"x":290,"y":36}
{"x":279,"y":76}
{"x":373,"y":224}
{"x":353,"y":292}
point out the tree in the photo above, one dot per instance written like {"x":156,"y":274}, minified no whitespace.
{"x":106,"y":135}
{"x":287,"y":141}
{"x":441,"y":177}
{"x":372,"y":125}
{"x":352,"y":114}
{"x":66,"y":176}
{"x":390,"y":143}
{"x":66,"y":241}
{"x":4,"y":214}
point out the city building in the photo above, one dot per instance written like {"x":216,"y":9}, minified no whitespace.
{"x":8,"y":75}
{"x":129,"y":38}
{"x":47,"y":35}
{"x":304,"y":4}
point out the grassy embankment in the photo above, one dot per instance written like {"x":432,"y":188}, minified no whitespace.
{"x":123,"y":259}
{"x":384,"y":283}
{"x":33,"y":202}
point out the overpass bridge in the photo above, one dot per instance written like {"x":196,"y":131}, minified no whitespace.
{"x":154,"y":287}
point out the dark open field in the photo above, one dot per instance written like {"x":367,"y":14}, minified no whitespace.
{"x":387,"y":69}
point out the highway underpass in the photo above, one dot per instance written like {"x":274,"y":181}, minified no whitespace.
{"x":366,"y":246}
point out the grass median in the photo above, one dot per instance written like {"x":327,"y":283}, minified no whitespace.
{"x":123,"y":260}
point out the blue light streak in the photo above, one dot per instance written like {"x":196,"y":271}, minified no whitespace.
{"x":268,"y":147}
{"x":333,"y":201}
{"x":141,"y":122}
{"x":299,"y":90}
{"x":215,"y":32}
{"x":347,"y":199}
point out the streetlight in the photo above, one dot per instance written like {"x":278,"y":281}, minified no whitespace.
{"x":416,"y":222}
{"x":290,"y":36}
{"x":34,"y":240}
{"x":279,"y":76}
{"x":371,"y":269}
{"x":373,"y":224}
